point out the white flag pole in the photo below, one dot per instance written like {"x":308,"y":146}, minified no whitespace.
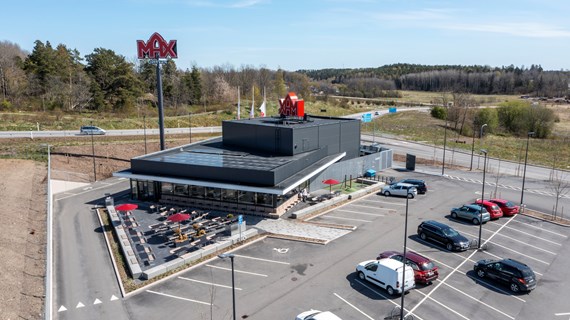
{"x":238,"y":110}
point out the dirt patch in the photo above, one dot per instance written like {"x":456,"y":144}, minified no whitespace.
{"x":23,"y":185}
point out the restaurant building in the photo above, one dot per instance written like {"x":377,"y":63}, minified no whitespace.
{"x":258,"y":165}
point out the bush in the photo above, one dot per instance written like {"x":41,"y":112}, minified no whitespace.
{"x":439,"y":112}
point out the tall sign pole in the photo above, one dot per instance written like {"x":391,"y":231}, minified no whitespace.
{"x":158,"y":48}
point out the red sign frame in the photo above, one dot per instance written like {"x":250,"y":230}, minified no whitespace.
{"x":292,"y":106}
{"x":157,"y":47}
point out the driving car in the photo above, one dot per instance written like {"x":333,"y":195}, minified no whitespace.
{"x":418,"y":183}
{"x":400,"y":189}
{"x":317,"y":315}
{"x":517,"y":275}
{"x":443,"y":234}
{"x":471,"y":212}
{"x":425,"y":271}
{"x":91,"y":130}
{"x":494,"y":211}
{"x":509,"y":209}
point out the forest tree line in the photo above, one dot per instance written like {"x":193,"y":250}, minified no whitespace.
{"x":58,"y":77}
{"x":445,"y":78}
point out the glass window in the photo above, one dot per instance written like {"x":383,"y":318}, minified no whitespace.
{"x":213,"y":193}
{"x":197,"y":192}
{"x":167,"y":188}
{"x":264,"y":199}
{"x":134,"y":192}
{"x":229,"y":195}
{"x":180,"y":189}
{"x":246,"y":197}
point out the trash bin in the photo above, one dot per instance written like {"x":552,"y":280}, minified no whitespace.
{"x":410,"y":162}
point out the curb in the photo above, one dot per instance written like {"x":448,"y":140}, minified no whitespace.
{"x":545,"y":220}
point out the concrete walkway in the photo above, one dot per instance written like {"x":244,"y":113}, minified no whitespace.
{"x":301,"y":230}
{"x":58,"y":186}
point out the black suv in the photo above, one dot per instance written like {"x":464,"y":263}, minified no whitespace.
{"x":517,"y":275}
{"x":420,"y":184}
{"x":443,"y":234}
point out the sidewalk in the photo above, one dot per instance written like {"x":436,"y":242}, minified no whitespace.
{"x":59,"y":186}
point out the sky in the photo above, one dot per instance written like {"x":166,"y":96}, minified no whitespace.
{"x":310,"y":34}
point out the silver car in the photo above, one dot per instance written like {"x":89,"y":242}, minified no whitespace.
{"x":91,"y":130}
{"x":400,"y":189}
{"x":472,"y":213}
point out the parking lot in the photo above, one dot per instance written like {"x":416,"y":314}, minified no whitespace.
{"x":278,"y":279}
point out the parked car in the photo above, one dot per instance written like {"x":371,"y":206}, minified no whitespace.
{"x":91,"y":130}
{"x":400,"y":189}
{"x":317,"y":315}
{"x":494,"y":211}
{"x":418,"y":183}
{"x":517,"y":275}
{"x":387,"y":274}
{"x":471,"y":212}
{"x":443,"y":234}
{"x":424,"y":270}
{"x":509,"y":209}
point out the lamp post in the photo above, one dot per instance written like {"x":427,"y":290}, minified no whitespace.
{"x":444,"y":144}
{"x":190,"y":126}
{"x":231,"y":256}
{"x":404,"y":260}
{"x":530,"y":133}
{"x":144,"y":132}
{"x":93,"y":154}
{"x":480,"y":138}
{"x":482,"y":198}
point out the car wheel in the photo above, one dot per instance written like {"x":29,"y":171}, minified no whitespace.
{"x":410,"y":195}
{"x":449,"y":246}
{"x":390,"y":290}
{"x":481,"y":273}
{"x":475,"y":221}
{"x":515,"y":287}
{"x":454,"y":215}
{"x":361,"y":275}
{"x":423,"y":236}
{"x":387,"y":193}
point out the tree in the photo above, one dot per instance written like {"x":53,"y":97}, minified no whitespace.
{"x":560,"y":185}
{"x":280,"y":89}
{"x":488,"y":116}
{"x":12,"y":77}
{"x":115,"y":85}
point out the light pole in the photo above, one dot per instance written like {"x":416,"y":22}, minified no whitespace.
{"x":404,"y":260}
{"x":190,"y":126}
{"x":231,"y":256}
{"x":444,"y":144}
{"x":530,"y":133}
{"x":482,"y":198}
{"x":144,"y":132}
{"x":480,"y":138}
{"x":93,"y":154}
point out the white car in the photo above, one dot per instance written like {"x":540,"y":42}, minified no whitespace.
{"x":91,"y":130}
{"x":400,"y":189}
{"x":317,"y":315}
{"x":387,"y":274}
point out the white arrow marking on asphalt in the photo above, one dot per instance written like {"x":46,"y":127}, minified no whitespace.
{"x":80,"y":305}
{"x":62,"y":308}
{"x":114,"y":298}
{"x":97,"y":301}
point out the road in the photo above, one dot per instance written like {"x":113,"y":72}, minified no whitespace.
{"x":131,"y":132}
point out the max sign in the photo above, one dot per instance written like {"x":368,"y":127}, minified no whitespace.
{"x":156,"y":47}
{"x":291,"y":106}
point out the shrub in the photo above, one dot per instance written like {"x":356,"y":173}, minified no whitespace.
{"x":439,"y":112}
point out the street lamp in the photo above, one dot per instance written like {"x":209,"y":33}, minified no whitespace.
{"x":93,"y":154}
{"x":231,"y":256}
{"x":530,"y":133}
{"x":404,"y":260}
{"x":480,"y":138}
{"x":482,"y":198}
{"x":190,"y":126}
{"x":444,"y":143}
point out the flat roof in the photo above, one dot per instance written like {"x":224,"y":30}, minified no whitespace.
{"x":293,"y":122}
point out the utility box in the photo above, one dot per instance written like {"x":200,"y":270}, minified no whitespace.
{"x":109,"y":201}
{"x":410,"y":162}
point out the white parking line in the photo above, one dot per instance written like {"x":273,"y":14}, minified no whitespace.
{"x":426,"y":296}
{"x":358,"y":212}
{"x":500,"y":258}
{"x":355,"y":308}
{"x":523,"y":242}
{"x":494,"y":287}
{"x":386,"y":298}
{"x":379,"y":201}
{"x":542,"y":229}
{"x":481,"y":302}
{"x":259,"y":259}
{"x":352,"y":219}
{"x":530,"y":235}
{"x":208,"y":283}
{"x":179,"y":298}
{"x":238,"y":271}
{"x":505,"y":247}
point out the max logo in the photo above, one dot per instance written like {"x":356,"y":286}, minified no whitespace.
{"x":156,"y":47}
{"x":291,"y":105}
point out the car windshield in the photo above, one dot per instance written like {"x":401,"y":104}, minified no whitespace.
{"x":450,"y":232}
{"x":509,"y":204}
{"x":427,"y":266}
{"x":495,"y":207}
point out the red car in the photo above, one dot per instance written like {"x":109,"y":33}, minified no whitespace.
{"x":494,"y":210}
{"x":424,"y":270}
{"x":509,"y":209}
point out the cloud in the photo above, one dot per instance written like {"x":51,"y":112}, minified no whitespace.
{"x":530,"y":30}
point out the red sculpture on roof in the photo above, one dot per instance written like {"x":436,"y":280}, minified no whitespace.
{"x":291,"y":106}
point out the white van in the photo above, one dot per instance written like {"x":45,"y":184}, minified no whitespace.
{"x":387,"y":274}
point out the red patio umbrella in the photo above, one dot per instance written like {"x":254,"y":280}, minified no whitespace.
{"x":178,"y":217}
{"x":126,"y":207}
{"x":330,"y":182}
